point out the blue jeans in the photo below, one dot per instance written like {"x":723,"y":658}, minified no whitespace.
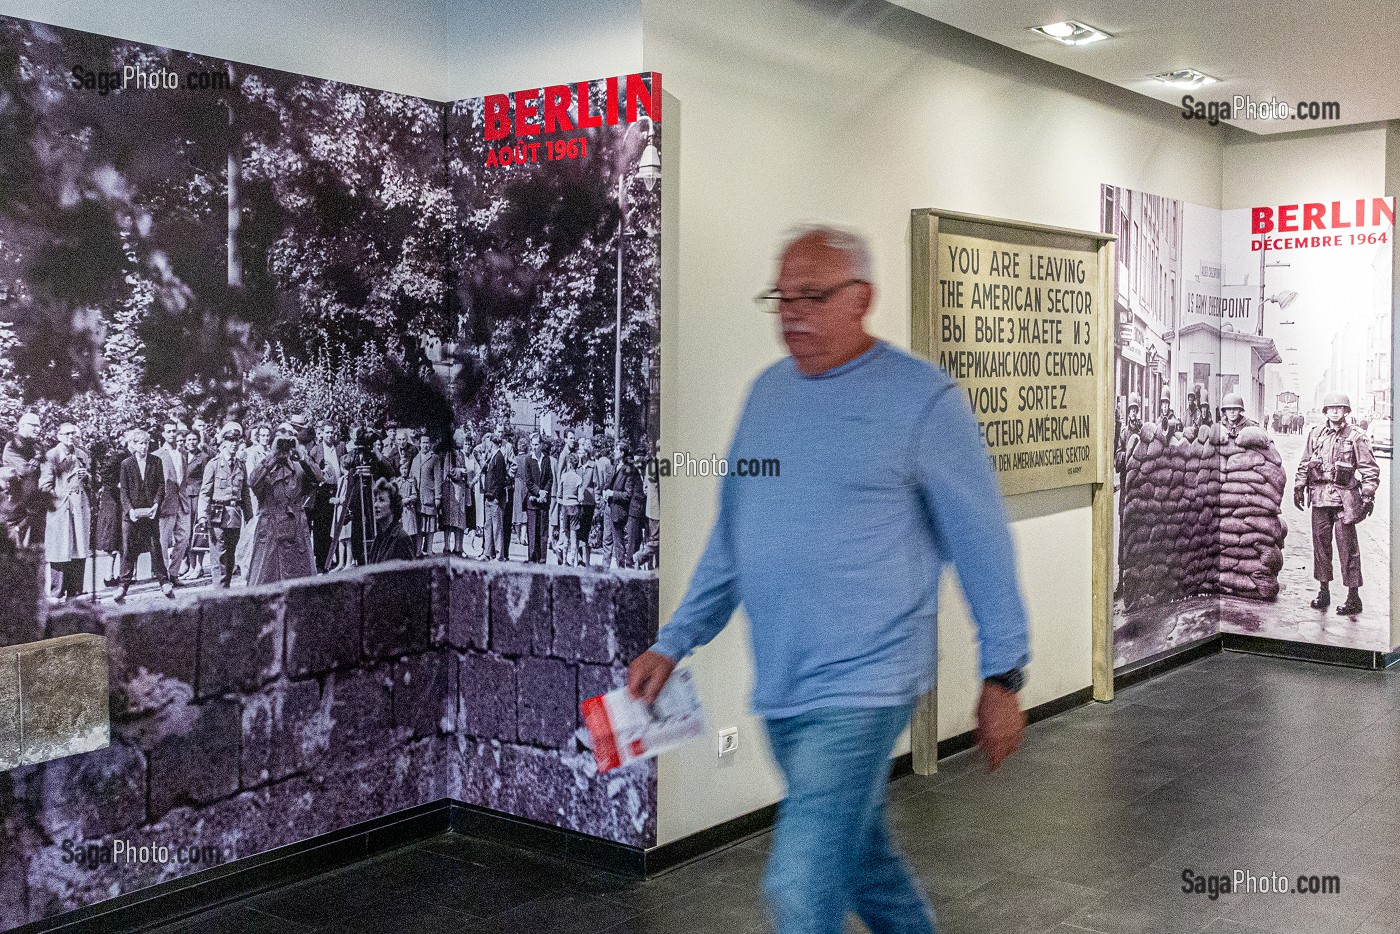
{"x":831,"y":851}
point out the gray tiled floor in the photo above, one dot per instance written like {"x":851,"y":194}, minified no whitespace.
{"x":1233,"y":762}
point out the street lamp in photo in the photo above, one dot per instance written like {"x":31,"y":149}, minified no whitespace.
{"x":649,"y":171}
{"x":1281,"y":299}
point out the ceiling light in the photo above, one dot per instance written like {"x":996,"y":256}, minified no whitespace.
{"x":1187,"y":78}
{"x":1071,"y":32}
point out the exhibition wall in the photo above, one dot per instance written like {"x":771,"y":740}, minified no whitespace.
{"x":796,"y":111}
{"x":1341,"y":164}
{"x":261,"y":247}
{"x":1314,"y":165}
{"x":1246,"y":303}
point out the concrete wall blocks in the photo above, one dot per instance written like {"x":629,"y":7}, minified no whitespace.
{"x":53,"y":699}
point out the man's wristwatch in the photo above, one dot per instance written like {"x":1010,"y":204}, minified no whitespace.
{"x":1009,"y":680}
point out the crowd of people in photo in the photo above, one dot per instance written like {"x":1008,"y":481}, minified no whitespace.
{"x":213,"y":504}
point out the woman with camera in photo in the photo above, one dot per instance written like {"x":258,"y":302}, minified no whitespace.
{"x":282,"y":541}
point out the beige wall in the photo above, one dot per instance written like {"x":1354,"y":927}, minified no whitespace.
{"x":795,"y":110}
{"x":1316,"y":165}
{"x":1321,"y":165}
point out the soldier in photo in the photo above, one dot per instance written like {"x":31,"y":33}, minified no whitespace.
{"x":1198,"y":407}
{"x":1232,"y":416}
{"x":1124,"y":442}
{"x":225,"y":504}
{"x":1339,"y":476}
{"x":1168,"y":420}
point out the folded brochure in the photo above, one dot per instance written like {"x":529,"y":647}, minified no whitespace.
{"x":625,"y":729}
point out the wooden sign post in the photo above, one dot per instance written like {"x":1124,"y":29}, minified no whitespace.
{"x":1020,"y":315}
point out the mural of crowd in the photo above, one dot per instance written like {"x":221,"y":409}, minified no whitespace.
{"x":286,"y":326}
{"x":215,"y":504}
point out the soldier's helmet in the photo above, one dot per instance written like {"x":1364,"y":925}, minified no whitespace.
{"x":1336,"y":398}
{"x":1233,"y":401}
{"x":1134,"y":401}
{"x":1166,"y":397}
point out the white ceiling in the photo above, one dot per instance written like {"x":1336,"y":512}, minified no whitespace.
{"x":1295,"y":50}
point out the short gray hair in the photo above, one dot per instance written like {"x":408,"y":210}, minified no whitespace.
{"x":847,"y":242}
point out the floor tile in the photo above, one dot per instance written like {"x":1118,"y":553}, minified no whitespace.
{"x":1232,"y":762}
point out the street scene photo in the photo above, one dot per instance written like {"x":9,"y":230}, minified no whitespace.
{"x":1252,"y":429}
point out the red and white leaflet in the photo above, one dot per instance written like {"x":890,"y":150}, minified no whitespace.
{"x":625,"y":730}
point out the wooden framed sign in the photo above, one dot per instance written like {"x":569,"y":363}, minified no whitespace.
{"x":1019,"y":315}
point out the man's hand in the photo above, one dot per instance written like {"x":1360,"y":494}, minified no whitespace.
{"x":1368,"y":506}
{"x":1298,"y":497}
{"x":647,"y":675}
{"x":1000,"y":724}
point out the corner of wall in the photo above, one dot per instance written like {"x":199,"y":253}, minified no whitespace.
{"x":1392,"y":187}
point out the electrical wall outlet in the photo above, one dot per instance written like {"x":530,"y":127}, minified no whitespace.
{"x":728,"y":741}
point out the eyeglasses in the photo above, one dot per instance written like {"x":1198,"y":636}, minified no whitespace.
{"x":773,"y":300}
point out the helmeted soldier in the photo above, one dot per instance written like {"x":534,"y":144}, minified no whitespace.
{"x":1168,"y":420}
{"x":1204,"y":416}
{"x":1339,"y":475}
{"x":1128,"y":433}
{"x":1127,"y":439}
{"x":1232,"y":416}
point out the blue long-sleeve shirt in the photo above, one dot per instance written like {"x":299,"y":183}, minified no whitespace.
{"x":882,"y":478}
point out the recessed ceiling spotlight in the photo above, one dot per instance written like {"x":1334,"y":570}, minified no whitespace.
{"x":1187,"y":78}
{"x":1071,"y":32}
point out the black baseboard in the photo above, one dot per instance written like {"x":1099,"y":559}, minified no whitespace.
{"x":473,"y":821}
{"x":179,"y":898}
{"x":697,"y":845}
{"x":1155,"y":665}
{"x":1307,"y":652}
{"x":1162,"y":662}
{"x":705,"y":842}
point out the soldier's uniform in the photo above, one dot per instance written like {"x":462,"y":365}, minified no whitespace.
{"x":1128,"y":434}
{"x":1232,"y":429}
{"x":1340,"y":476}
{"x":224,"y":504}
{"x":1168,"y":421}
{"x":1123,"y":444}
{"x":1197,"y":408}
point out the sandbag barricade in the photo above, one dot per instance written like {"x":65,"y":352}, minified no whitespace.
{"x":1201,"y":514}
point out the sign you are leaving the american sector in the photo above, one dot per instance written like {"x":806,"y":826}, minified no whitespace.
{"x":1017,"y":326}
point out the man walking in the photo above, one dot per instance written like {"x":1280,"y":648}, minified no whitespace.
{"x":1339,"y":475}
{"x":844,"y":626}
